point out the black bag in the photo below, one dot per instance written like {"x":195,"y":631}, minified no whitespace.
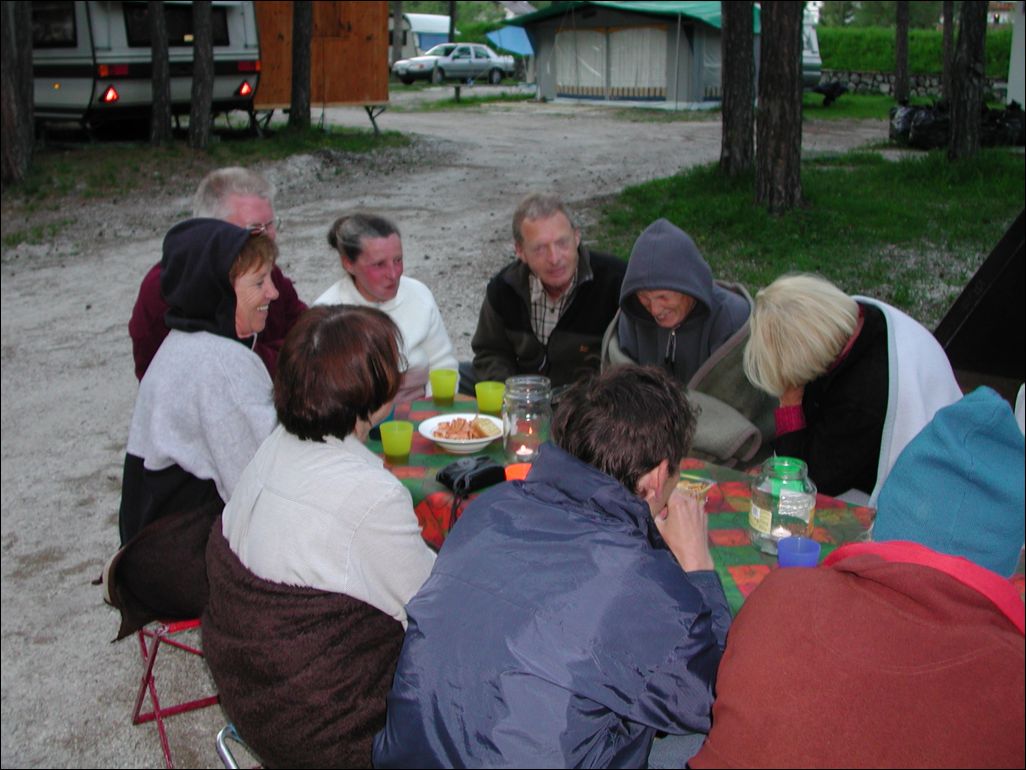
{"x":467,"y":475}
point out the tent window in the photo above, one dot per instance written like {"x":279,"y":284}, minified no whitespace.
{"x":581,"y":63}
{"x":637,"y":63}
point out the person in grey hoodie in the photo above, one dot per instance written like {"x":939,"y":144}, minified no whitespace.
{"x":673,"y":314}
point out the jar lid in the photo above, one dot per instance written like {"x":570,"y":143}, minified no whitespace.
{"x":785,"y":467}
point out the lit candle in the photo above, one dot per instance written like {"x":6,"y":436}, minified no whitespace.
{"x":524,"y":452}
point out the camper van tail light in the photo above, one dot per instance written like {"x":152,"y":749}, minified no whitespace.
{"x":112,"y":70}
{"x":110,"y":95}
{"x":249,"y":66}
{"x":245,"y":89}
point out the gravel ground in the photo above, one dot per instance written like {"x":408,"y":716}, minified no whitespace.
{"x":68,"y":384}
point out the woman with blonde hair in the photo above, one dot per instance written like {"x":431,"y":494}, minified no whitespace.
{"x":856,"y":380}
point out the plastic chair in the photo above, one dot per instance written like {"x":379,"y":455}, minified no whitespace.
{"x":158,"y":634}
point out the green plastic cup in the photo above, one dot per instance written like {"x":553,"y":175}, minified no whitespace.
{"x":443,"y":386}
{"x":489,"y":396}
{"x":397,"y":438}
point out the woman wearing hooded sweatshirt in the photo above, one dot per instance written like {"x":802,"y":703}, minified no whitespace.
{"x":204,"y":407}
{"x":673,"y":314}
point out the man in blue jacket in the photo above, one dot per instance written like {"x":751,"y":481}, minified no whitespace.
{"x":572,"y":616}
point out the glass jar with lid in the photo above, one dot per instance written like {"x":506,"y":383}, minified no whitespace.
{"x":783,"y":503}
{"x":526,"y":416}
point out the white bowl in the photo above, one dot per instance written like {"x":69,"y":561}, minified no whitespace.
{"x":459,"y":446}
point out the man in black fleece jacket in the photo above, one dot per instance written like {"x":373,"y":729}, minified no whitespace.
{"x":545,"y":313}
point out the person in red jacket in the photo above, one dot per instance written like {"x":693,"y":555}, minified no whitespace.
{"x":902,"y":652}
{"x":246,"y":199}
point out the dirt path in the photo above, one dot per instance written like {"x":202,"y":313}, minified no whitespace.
{"x":68,"y":386}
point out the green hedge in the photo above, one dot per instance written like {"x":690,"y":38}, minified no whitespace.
{"x":871,"y":49}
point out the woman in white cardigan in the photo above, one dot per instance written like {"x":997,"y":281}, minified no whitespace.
{"x":371,"y":251}
{"x":315,"y":507}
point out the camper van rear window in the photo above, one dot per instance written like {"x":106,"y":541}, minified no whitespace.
{"x":53,"y":25}
{"x":179,"y":24}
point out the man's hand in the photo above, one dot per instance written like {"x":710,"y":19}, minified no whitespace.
{"x":685,"y":528}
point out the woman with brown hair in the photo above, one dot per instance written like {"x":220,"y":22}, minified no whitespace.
{"x":317,"y":554}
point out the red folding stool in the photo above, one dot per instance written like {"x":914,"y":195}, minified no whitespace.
{"x":160,"y":633}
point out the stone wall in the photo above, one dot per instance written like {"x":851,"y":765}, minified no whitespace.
{"x":883,"y":83}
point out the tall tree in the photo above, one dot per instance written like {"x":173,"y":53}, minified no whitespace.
{"x":16,"y":112}
{"x":901,"y":52}
{"x":397,"y":30}
{"x":202,"y":75}
{"x":737,"y":147}
{"x":949,"y":46}
{"x":302,"y":43}
{"x":778,"y":184}
{"x":160,"y":112}
{"x":967,"y":76}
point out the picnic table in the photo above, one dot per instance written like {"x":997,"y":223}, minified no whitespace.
{"x":740,"y":565}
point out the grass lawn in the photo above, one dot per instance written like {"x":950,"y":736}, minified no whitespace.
{"x":910,"y":232}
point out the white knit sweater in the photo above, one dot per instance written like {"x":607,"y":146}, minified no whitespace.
{"x":426,"y":343}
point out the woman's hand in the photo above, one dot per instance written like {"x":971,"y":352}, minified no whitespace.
{"x":685,"y":528}
{"x":792,"y":396}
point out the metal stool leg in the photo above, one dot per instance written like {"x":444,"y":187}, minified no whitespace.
{"x":162,"y":634}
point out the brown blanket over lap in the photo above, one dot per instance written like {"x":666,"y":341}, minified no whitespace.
{"x":161,"y":573}
{"x":302,"y":673}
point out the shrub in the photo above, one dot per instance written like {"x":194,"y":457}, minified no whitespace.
{"x":871,"y":49}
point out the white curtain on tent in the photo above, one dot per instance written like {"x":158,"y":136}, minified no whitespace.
{"x":581,"y":63}
{"x":637,"y":63}
{"x":712,"y":65}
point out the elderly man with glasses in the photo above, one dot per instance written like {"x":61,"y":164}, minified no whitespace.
{"x":243,"y":198}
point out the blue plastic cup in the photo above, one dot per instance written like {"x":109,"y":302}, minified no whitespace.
{"x":797,"y":552}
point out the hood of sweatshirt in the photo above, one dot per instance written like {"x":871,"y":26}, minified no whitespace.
{"x":198,"y":254}
{"x":665,"y":257}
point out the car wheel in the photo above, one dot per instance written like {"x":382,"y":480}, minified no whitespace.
{"x":407,"y":80}
{"x":495,"y":77}
{"x":437,"y":75}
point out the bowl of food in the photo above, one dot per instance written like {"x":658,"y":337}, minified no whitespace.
{"x":462,"y":434}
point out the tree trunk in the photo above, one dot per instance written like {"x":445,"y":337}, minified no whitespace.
{"x":397,"y":30}
{"x":160,"y":112}
{"x":949,"y":47}
{"x":16,"y":91}
{"x":778,"y":184}
{"x":901,"y":53}
{"x":967,"y":81}
{"x":202,"y":75}
{"x":737,"y":147}
{"x":302,"y":41}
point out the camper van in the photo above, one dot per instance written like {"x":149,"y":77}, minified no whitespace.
{"x":91,"y":61}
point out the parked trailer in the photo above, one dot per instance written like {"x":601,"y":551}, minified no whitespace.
{"x":91,"y":61}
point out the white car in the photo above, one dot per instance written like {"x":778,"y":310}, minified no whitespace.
{"x":455,"y":61}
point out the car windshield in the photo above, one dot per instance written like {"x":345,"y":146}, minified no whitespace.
{"x":441,"y":50}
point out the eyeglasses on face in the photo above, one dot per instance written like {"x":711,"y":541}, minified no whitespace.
{"x":260,"y":228}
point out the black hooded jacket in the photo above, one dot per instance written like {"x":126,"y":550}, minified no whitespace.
{"x":198,"y":255}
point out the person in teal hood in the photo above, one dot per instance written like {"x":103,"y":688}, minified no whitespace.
{"x":673,"y":314}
